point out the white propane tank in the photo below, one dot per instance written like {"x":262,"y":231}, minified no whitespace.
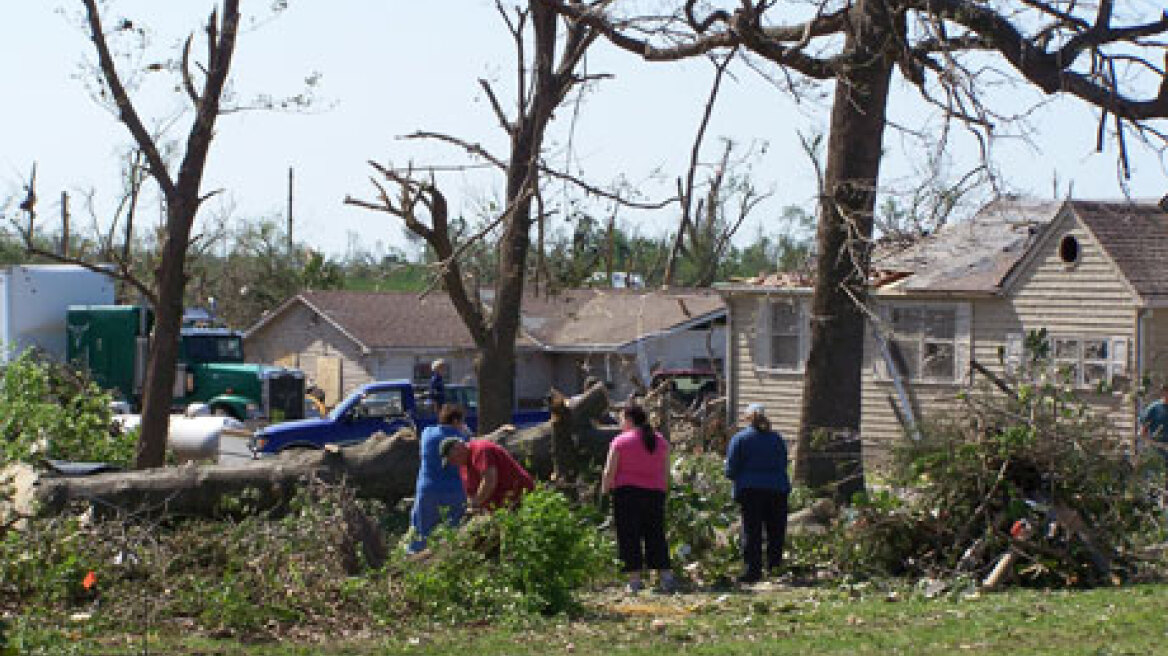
{"x":197,"y":438}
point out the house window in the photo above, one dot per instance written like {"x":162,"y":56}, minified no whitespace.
{"x":925,"y":341}
{"x":1083,"y":361}
{"x":1086,"y":362}
{"x":1069,"y":250}
{"x":782,"y":333}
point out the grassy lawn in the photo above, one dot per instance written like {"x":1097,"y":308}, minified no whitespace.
{"x":803,"y":621}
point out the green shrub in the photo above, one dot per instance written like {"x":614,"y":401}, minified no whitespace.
{"x":531,"y":559}
{"x":50,"y":411}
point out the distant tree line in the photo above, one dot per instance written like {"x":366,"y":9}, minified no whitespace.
{"x":248,"y":269}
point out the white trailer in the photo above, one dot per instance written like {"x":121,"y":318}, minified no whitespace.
{"x":33,"y":302}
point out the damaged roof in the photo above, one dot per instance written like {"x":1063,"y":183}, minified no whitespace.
{"x":972,"y":256}
{"x":969,"y":257}
{"x":577,"y":319}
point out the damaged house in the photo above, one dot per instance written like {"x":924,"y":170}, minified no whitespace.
{"x":343,"y":339}
{"x":1094,"y":275}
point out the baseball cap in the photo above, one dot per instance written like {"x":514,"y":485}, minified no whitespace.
{"x":445,"y":446}
{"x":756,"y":409}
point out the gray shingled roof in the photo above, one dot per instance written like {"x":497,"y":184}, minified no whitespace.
{"x":568,"y":319}
{"x":393,"y":319}
{"x":1135,"y":235}
{"x":972,"y":256}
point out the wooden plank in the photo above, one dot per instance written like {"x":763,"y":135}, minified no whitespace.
{"x":328,"y":378}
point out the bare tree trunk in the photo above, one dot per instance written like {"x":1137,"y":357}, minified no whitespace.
{"x":828,"y":457}
{"x":182,"y":197}
{"x":495,"y":369}
{"x":158,"y":389}
{"x":495,"y":335}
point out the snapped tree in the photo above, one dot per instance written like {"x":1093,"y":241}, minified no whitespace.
{"x":1100,"y":53}
{"x":546,"y":73}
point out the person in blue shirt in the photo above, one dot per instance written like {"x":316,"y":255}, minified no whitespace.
{"x":1154,"y":422}
{"x":437,"y":384}
{"x":756,"y":461}
{"x":438,"y":494}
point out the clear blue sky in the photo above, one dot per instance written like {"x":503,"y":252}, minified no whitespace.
{"x":390,"y":67}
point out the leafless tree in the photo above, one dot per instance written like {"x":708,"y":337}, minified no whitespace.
{"x":1104,"y":53}
{"x":204,"y":85}
{"x":546,"y":71}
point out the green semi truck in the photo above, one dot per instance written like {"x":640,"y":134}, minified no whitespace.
{"x":112,"y":342}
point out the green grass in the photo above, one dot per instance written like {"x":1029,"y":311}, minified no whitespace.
{"x":802,"y":621}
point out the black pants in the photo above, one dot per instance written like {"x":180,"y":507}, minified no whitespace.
{"x":763,"y":509}
{"x":640,"y":528}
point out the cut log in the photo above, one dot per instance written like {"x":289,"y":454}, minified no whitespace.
{"x":383,"y":467}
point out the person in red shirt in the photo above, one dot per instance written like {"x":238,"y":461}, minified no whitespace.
{"x":492,"y":478}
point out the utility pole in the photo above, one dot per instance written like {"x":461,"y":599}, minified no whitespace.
{"x":64,"y":250}
{"x":289,"y":211}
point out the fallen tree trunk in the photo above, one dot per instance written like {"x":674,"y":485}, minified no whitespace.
{"x":383,"y":467}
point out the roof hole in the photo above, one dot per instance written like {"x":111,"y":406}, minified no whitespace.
{"x":1069,"y":249}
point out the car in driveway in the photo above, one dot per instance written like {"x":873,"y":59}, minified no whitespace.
{"x":385,"y":406}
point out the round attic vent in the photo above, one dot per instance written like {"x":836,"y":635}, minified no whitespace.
{"x":1069,"y":249}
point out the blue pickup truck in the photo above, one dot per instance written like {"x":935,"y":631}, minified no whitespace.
{"x":382,"y":406}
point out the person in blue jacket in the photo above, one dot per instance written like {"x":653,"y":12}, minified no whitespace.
{"x":756,"y":461}
{"x":438,"y":494}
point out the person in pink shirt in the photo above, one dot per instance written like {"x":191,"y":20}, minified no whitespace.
{"x":637,"y":474}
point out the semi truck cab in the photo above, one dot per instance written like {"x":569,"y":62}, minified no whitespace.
{"x":112,"y":343}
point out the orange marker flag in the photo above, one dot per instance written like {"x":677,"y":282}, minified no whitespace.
{"x":89,"y":581}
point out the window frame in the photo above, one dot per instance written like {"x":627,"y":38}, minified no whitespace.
{"x":960,"y":344}
{"x":1115,"y":363}
{"x":765,"y":333}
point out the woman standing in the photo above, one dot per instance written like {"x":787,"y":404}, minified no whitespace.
{"x":438,"y":493}
{"x":637,"y":473}
{"x":757,"y":463}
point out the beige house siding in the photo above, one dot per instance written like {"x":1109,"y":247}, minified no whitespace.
{"x":782,"y":393}
{"x":299,"y":338}
{"x":1089,"y":296}
{"x":1087,"y":299}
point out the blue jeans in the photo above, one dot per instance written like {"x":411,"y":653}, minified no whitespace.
{"x":429,"y":509}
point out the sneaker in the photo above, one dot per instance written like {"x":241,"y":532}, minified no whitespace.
{"x":749,"y":577}
{"x":666,"y":586}
{"x":633,"y":587}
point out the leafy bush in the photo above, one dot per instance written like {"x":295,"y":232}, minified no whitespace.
{"x":700,"y":516}
{"x":50,"y":411}
{"x":531,"y":559}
